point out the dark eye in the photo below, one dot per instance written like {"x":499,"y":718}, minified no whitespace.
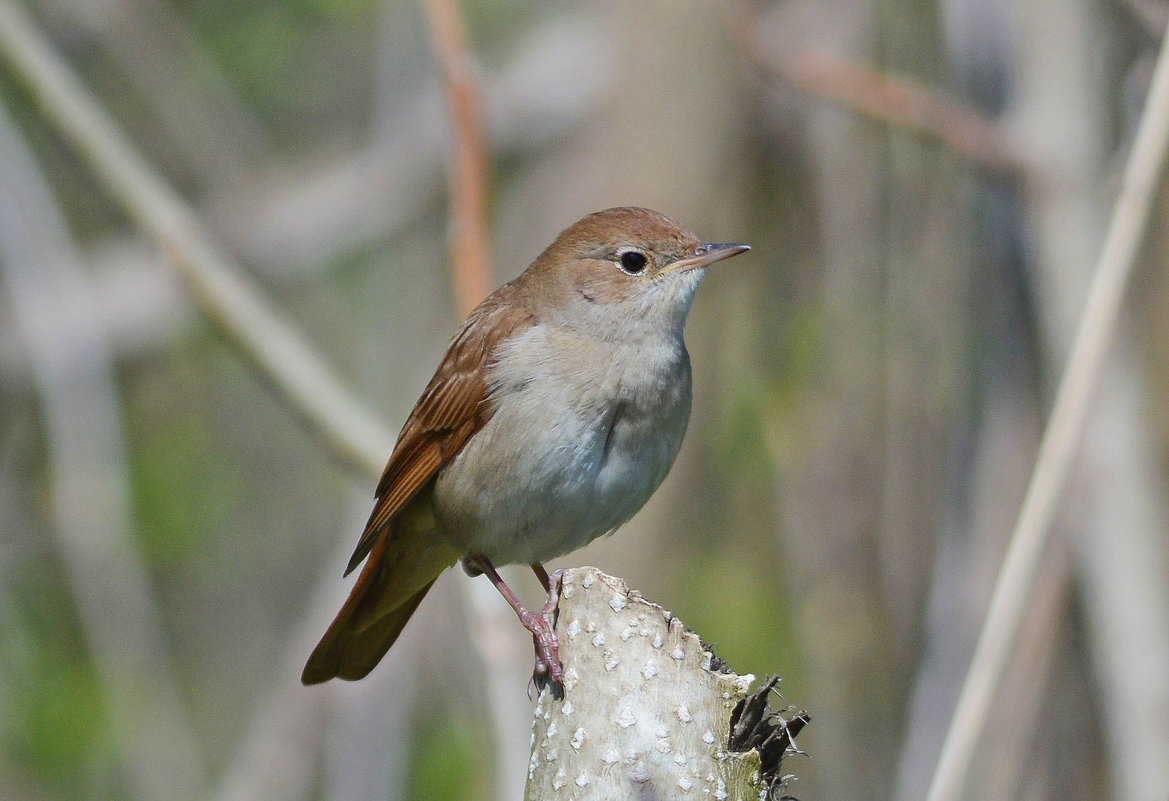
{"x":633,"y":261}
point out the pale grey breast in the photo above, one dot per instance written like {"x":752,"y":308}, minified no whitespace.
{"x":565,"y":458}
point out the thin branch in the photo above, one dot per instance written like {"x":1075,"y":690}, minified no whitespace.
{"x":468,"y":170}
{"x":893,"y":100}
{"x":218,"y":286}
{"x":1126,"y":232}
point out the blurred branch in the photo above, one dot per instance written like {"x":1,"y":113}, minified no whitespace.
{"x":299,"y":377}
{"x":187,"y":93}
{"x":140,"y":305}
{"x":291,"y":221}
{"x":470,"y":273}
{"x":275,"y":759}
{"x":225,"y":296}
{"x":468,"y":169}
{"x":1121,"y":566}
{"x":1069,"y":84}
{"x":298,"y":217}
{"x":1126,"y":231}
{"x":893,"y":100}
{"x":73,"y":367}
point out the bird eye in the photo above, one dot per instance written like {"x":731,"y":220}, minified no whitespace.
{"x":633,"y":261}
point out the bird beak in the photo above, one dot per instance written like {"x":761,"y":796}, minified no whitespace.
{"x":707,"y":254}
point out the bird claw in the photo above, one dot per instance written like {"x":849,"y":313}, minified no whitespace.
{"x":549,"y":672}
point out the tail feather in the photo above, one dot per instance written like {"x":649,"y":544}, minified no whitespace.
{"x":403,"y":564}
{"x":346,"y":652}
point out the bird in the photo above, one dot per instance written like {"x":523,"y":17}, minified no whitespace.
{"x":555,"y":414}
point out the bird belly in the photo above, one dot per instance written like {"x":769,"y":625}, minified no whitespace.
{"x":554,"y":469}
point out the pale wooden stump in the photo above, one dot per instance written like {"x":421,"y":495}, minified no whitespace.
{"x":648,"y":709}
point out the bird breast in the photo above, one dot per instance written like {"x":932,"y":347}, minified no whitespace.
{"x":581,"y":434}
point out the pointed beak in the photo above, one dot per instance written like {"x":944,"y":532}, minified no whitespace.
{"x":707,"y":254}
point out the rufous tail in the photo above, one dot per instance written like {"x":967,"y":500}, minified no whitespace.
{"x":400,"y":570}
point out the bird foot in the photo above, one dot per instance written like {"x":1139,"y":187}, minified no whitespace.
{"x":549,"y":672}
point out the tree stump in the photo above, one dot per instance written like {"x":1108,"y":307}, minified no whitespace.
{"x":649,"y":712}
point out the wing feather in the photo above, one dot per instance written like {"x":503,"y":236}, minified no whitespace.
{"x":448,"y":414}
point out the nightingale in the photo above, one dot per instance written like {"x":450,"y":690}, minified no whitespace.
{"x":557,"y":411}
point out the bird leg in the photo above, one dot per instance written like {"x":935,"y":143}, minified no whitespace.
{"x":542,"y":574}
{"x":542,"y":624}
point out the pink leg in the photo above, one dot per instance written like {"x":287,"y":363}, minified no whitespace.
{"x":542,"y":574}
{"x":542,"y":624}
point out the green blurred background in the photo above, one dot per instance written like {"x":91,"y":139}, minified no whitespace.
{"x":870,"y":383}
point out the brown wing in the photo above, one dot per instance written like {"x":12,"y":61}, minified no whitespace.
{"x":449,"y":412}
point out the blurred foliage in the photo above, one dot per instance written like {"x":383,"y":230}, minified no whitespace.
{"x":462,"y":771}
{"x":90,"y":214}
{"x":742,"y":611}
{"x":182,"y":487}
{"x":297,"y":64}
{"x":52,"y":719}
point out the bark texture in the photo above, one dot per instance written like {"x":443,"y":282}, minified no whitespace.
{"x":649,"y":710}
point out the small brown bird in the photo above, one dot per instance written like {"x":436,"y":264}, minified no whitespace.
{"x":556,"y":412}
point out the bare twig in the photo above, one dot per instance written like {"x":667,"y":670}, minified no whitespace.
{"x":300,"y":378}
{"x":1118,"y":256}
{"x":893,"y":100}
{"x":468,"y":169}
